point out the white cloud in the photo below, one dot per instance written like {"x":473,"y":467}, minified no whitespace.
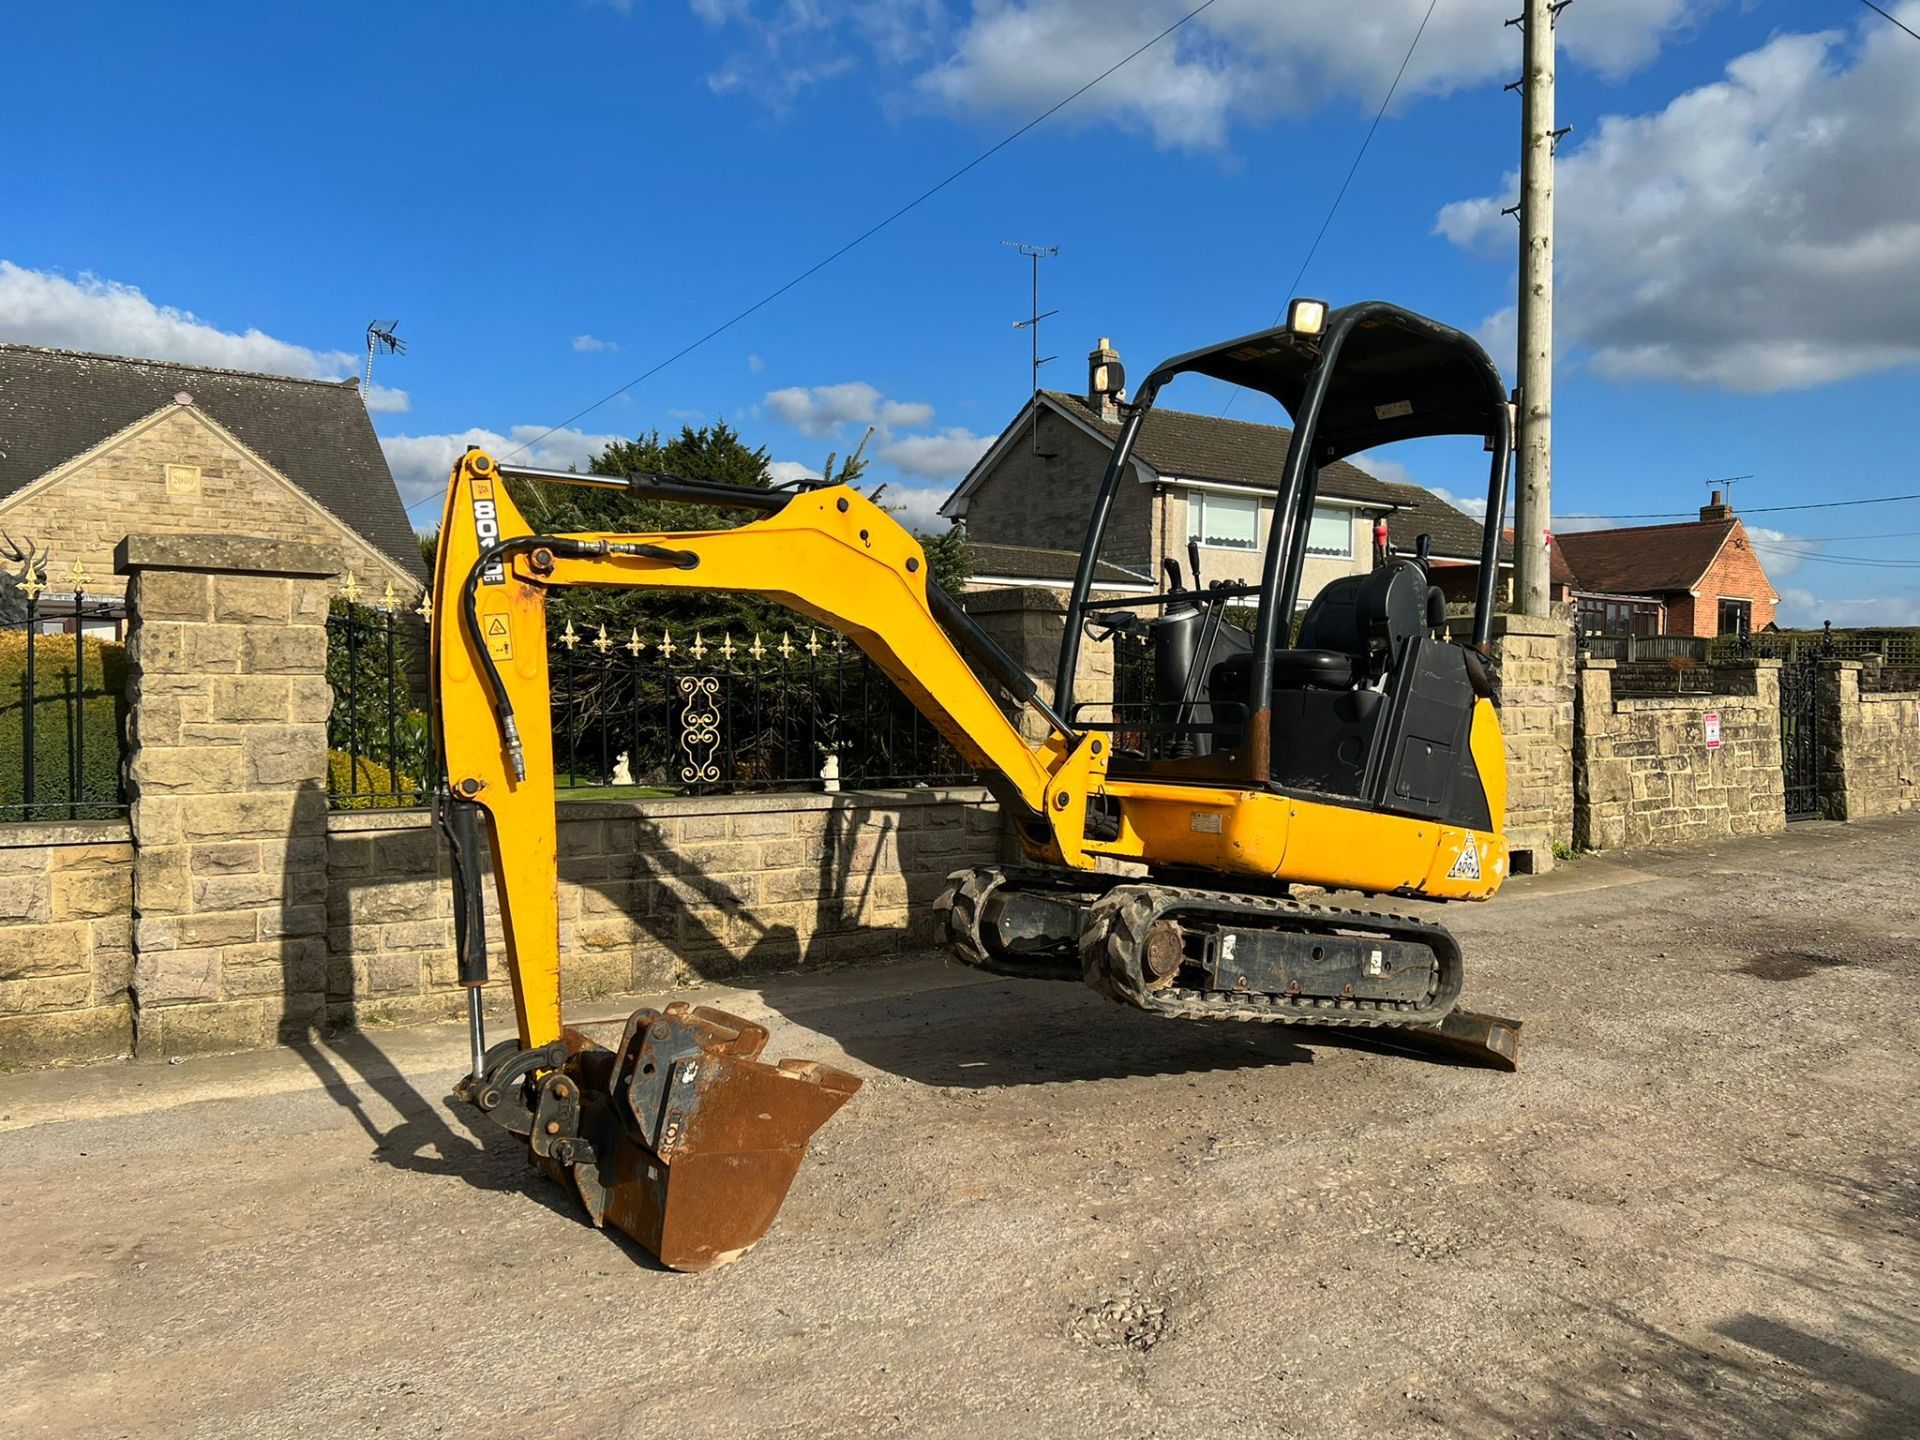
{"x":755,"y":364}
{"x":1804,"y":610}
{"x":1756,"y":234}
{"x":1246,"y":59}
{"x":1391,"y":471}
{"x":591,"y":344}
{"x":1474,"y":506}
{"x":786,"y":472}
{"x":1239,"y":60}
{"x":821,"y":410}
{"x":385,"y":400}
{"x":917,"y":507}
{"x":1779,"y":552}
{"x":422,"y":463}
{"x":914,"y":506}
{"x":789,"y":46}
{"x":946,"y":455}
{"x":85,"y":312}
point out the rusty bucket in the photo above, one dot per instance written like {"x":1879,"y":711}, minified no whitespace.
{"x":682,"y":1137}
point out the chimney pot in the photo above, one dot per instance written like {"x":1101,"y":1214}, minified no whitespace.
{"x":1106,"y":380}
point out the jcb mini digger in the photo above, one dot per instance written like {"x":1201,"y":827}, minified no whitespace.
{"x":1362,"y":755}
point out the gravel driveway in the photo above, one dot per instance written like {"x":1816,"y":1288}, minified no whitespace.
{"x":1694,"y":1212}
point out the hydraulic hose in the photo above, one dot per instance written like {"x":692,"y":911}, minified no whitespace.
{"x":559,"y":545}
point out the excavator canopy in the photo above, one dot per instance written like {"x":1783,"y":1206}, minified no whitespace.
{"x":1399,"y":376}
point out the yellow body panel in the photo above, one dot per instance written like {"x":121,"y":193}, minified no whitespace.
{"x":832,"y":555}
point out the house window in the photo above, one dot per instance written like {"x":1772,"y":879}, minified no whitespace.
{"x":1226,"y":522}
{"x":1331,"y":532}
{"x":1736,"y":617}
{"x":1619,"y":617}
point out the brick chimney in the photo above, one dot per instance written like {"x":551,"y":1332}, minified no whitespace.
{"x":1106,"y":380}
{"x":1716,"y":509}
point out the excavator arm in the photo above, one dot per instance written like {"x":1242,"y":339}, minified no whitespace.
{"x":828,"y":553}
{"x":597,"y":1119}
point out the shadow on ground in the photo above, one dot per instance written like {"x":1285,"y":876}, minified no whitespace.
{"x":1756,"y":1376}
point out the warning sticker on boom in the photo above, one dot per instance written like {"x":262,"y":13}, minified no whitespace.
{"x":1467,"y":867}
{"x":499,"y":638}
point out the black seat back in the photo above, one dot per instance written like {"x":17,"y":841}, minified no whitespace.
{"x":1332,"y":621}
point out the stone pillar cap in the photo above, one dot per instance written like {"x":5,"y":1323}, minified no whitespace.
{"x":225,"y":554}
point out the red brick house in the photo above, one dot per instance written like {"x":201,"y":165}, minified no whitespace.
{"x":1698,"y":577}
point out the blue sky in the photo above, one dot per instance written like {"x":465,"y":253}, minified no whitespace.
{"x":551,"y":198}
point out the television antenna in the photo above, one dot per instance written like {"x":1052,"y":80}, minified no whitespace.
{"x":380,"y":336}
{"x":1729,"y":481}
{"x":1035,"y":254}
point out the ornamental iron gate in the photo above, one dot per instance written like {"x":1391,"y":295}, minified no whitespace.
{"x":1800,"y":733}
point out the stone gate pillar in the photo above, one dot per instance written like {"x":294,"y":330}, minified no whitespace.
{"x":226,"y":782}
{"x":1533,"y":681}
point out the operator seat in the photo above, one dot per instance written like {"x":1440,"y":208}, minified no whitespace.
{"x":1356,"y":628}
{"x":1328,"y":690}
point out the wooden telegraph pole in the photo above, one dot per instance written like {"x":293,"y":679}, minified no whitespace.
{"x":1532,"y":501}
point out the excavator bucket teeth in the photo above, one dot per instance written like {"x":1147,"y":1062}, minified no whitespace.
{"x":683,"y":1137}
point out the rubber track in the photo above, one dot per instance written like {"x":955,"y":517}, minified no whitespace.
{"x":1115,"y":939}
{"x":959,"y":907}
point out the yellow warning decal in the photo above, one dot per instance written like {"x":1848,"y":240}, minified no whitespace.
{"x":499,"y":638}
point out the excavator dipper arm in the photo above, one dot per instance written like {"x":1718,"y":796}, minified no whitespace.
{"x":695,"y":1165}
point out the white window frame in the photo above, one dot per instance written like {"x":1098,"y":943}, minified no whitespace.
{"x":1197,"y":500}
{"x":1331,"y":512}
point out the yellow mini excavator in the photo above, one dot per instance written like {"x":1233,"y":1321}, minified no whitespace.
{"x":1362,"y":754}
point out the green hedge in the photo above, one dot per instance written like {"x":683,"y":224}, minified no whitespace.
{"x":100,"y":703}
{"x":366,"y":784}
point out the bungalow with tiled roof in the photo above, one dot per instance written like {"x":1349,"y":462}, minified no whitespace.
{"x":1696,"y":577}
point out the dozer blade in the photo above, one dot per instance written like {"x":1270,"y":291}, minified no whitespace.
{"x":681,"y":1137}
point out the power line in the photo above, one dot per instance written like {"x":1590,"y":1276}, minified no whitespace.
{"x":1883,"y":14}
{"x":869,"y":232}
{"x":1352,"y":170}
{"x":1756,"y":510}
{"x":1869,"y":561}
{"x":1835,"y":539}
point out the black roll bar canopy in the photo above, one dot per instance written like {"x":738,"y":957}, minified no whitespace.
{"x":1373,"y":374}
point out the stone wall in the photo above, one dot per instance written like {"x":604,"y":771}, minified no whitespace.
{"x":1533,"y":684}
{"x":1870,"y":746}
{"x":1643,"y":774}
{"x":1027,"y":622}
{"x":66,"y":960}
{"x":657,"y":893}
{"x":226,"y":787}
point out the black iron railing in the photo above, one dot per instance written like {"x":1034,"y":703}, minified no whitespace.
{"x":63,"y":678}
{"x":698,"y":711}
{"x":669,"y":711}
{"x":379,"y":746}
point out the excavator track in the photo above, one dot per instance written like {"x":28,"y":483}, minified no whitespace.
{"x":1114,"y":948}
{"x":962,"y":912}
{"x":1147,"y":945}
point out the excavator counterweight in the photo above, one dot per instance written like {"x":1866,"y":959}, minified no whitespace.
{"x":1364,"y":755}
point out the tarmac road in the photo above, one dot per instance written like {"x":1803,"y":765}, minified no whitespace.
{"x":1695,"y":1211}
